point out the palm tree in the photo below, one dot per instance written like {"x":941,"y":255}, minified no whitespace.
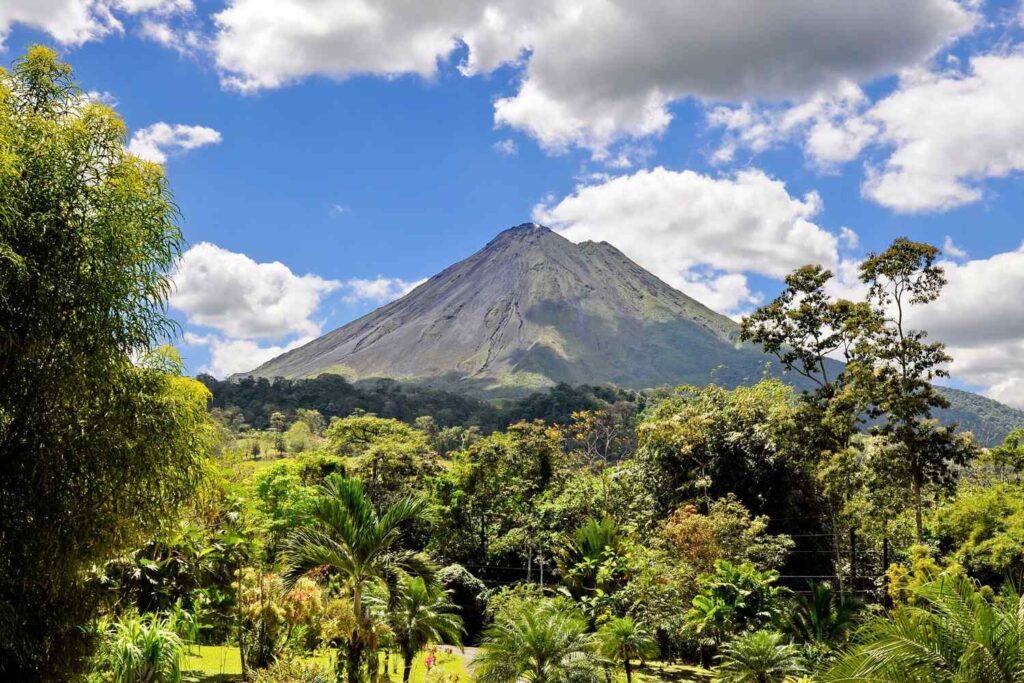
{"x":953,"y":634}
{"x":543,"y":643}
{"x":142,"y":649}
{"x":759,"y":657}
{"x":346,"y":536}
{"x":622,"y":639}
{"x":825,"y":616}
{"x":423,"y":615}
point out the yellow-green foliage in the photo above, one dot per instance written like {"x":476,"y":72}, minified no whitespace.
{"x":906,"y":579}
{"x":97,"y":447}
{"x":985,"y":528}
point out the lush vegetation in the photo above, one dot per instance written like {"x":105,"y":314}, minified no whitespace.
{"x":323,"y":531}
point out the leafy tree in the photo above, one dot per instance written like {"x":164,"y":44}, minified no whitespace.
{"x":806,"y":329}
{"x":760,"y":657}
{"x":345,"y":536}
{"x":902,"y":366}
{"x":423,"y":615}
{"x":97,"y":448}
{"x":983,"y":529}
{"x":543,"y":643}
{"x":491,"y":492}
{"x":283,"y":499}
{"x":468,"y":594}
{"x":734,"y":599}
{"x":1009,"y":455}
{"x":299,"y":437}
{"x":726,"y":532}
{"x":712,"y":441}
{"x":623,"y":639}
{"x":954,"y":633}
{"x":312,"y":419}
{"x":391,"y":457}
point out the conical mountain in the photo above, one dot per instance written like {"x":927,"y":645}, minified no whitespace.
{"x":529,"y":310}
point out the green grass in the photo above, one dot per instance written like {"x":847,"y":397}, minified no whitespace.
{"x":653,"y":672}
{"x":218,"y":663}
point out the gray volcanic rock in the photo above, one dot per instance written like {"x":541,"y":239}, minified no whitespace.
{"x":529,"y":310}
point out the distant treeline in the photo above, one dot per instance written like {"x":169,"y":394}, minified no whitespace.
{"x":334,"y":396}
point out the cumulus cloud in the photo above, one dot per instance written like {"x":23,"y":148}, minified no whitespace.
{"x":940,"y":134}
{"x":230,"y":356}
{"x":978,"y":317}
{"x":379,"y":290}
{"x":73,"y":22}
{"x":950,"y":249}
{"x":830,"y":123}
{"x":241,"y":298}
{"x":595,"y":70}
{"x":949,"y":131}
{"x":699,"y":233}
{"x":158,"y":141}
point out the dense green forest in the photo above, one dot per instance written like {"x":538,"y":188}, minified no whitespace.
{"x":322,"y":531}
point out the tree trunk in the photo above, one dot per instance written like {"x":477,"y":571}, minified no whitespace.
{"x":354,"y":657}
{"x":407,"y":668}
{"x":917,"y":508}
{"x":629,"y":670}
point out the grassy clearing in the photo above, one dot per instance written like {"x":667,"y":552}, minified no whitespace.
{"x":653,"y":672}
{"x":216,"y":663}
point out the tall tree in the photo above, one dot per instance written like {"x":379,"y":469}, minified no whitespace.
{"x":903,"y":364}
{"x":96,"y":448}
{"x":347,"y":537}
{"x":806,"y":329}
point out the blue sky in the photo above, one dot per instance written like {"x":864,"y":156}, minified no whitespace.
{"x":327,"y":155}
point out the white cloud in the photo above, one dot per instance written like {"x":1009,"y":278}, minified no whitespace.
{"x":949,"y":248}
{"x":940,"y":133}
{"x":699,"y":233}
{"x":948,"y":132}
{"x":507,"y":147}
{"x":70,"y":22}
{"x":156,"y":142}
{"x":239,"y":297}
{"x":73,"y":22}
{"x":978,"y":317}
{"x":380,"y":290}
{"x":596,"y":71}
{"x":848,"y":238}
{"x":829,"y":122}
{"x":102,"y":96}
{"x":154,"y":6}
{"x":230,"y":356}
